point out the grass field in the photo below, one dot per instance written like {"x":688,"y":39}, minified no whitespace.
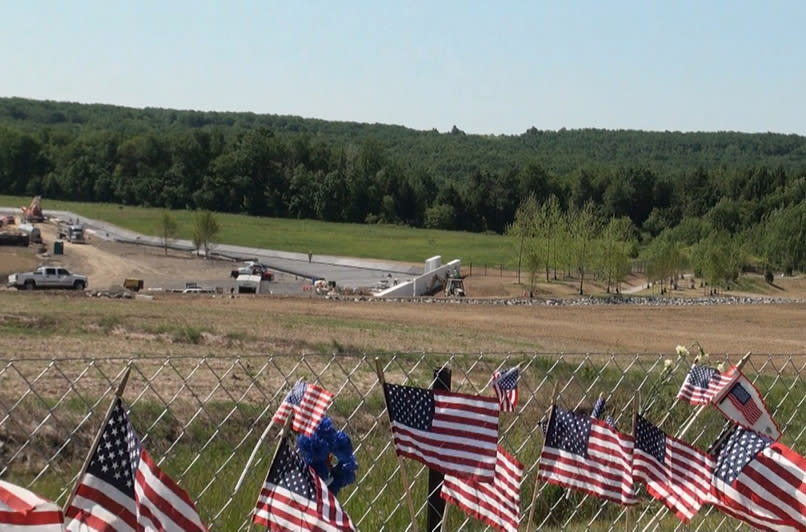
{"x":390,"y":242}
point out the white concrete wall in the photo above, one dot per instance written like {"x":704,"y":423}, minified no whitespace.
{"x":420,"y":285}
{"x":433,"y":263}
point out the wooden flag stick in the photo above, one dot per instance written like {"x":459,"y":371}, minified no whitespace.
{"x":118,"y":394}
{"x":403,"y":476}
{"x":258,"y":444}
{"x":549,"y":415}
{"x":444,"y":527}
{"x":252,"y":456}
{"x":283,"y":433}
{"x":636,"y":407}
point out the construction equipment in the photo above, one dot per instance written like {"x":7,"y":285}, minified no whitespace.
{"x":16,"y":238}
{"x":33,"y":213}
{"x":454,"y":287}
{"x":72,"y":232}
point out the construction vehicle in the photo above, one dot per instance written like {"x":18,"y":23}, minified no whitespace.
{"x":72,"y":232}
{"x":33,"y":213}
{"x":454,"y":287}
{"x":251,"y":267}
{"x":15,"y":238}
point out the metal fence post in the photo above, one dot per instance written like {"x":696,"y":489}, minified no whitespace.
{"x":436,"y":505}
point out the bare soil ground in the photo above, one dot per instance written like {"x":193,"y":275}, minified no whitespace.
{"x":308,"y":324}
{"x":108,"y":263}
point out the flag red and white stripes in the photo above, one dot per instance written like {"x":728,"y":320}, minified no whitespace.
{"x":496,"y":503}
{"x":294,"y":497}
{"x":451,"y":432}
{"x":124,"y":490}
{"x":24,"y":511}
{"x":702,"y":384}
{"x":308,"y":402}
{"x":762,"y":480}
{"x":588,"y":455}
{"x":160,"y":500}
{"x":674,"y":472}
{"x":505,"y":385}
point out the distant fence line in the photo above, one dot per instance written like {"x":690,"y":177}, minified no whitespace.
{"x":200,"y":416}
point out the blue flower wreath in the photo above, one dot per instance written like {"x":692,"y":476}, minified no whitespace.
{"x":330,"y":453}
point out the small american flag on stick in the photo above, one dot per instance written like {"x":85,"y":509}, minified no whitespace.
{"x":702,"y":384}
{"x":673,"y":471}
{"x":124,"y":490}
{"x":308,"y":403}
{"x":589,"y":455}
{"x":760,"y":482}
{"x":496,"y":503}
{"x":294,"y":497}
{"x":506,"y":388}
{"x":454,"y":433}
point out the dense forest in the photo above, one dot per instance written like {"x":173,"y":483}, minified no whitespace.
{"x":675,"y":188}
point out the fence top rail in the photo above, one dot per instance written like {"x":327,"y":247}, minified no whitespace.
{"x":134,"y":357}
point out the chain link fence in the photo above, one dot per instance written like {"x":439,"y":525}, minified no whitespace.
{"x":199,"y":417}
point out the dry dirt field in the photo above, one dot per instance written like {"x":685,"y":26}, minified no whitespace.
{"x":305,"y":323}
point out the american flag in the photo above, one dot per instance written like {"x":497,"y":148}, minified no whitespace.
{"x":760,"y":482}
{"x":24,"y":511}
{"x":743,"y":405}
{"x":308,"y":403}
{"x":674,"y":472}
{"x":496,"y":503}
{"x":598,"y":408}
{"x":124,"y":490}
{"x":598,"y":411}
{"x":588,"y":455}
{"x":450,"y":432}
{"x":506,"y":388}
{"x":294,"y":497}
{"x":702,"y":384}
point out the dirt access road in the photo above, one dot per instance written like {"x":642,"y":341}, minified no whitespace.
{"x":108,"y":263}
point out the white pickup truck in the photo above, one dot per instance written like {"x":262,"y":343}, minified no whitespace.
{"x":47,"y":277}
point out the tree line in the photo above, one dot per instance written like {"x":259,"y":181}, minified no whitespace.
{"x":725,"y":190}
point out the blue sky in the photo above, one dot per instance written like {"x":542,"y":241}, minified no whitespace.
{"x":487,"y":67}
